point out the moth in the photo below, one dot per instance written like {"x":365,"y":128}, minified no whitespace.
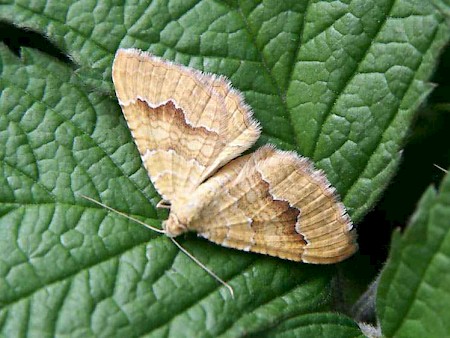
{"x":191,"y":129}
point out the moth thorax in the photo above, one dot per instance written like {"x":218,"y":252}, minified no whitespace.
{"x":173,"y":226}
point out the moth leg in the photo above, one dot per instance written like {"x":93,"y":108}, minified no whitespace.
{"x":163,"y":204}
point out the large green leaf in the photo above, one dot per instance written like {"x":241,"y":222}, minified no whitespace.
{"x":61,"y":255}
{"x":414,"y":291}
{"x":337,"y":81}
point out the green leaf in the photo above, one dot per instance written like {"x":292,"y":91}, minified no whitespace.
{"x":414,"y":291}
{"x":62,"y":255}
{"x":336,"y":81}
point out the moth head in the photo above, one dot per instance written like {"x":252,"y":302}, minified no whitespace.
{"x":173,"y":226}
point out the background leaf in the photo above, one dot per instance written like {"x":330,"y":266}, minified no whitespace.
{"x":414,"y":290}
{"x":337,"y":81}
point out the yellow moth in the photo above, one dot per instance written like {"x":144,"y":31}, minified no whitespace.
{"x":190,"y":129}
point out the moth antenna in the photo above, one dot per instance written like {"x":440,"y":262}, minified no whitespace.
{"x":203,"y":266}
{"x":187,"y":253}
{"x":123,"y":214}
{"x":440,"y":168}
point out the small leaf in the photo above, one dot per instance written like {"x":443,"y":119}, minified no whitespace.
{"x":414,"y":290}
